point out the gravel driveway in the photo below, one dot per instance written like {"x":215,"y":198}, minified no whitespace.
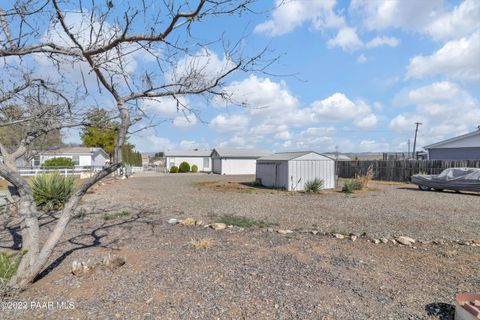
{"x":389,"y":210}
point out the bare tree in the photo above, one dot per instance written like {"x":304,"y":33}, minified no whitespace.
{"x":99,"y":46}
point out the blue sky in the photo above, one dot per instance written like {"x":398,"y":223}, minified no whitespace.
{"x":352,"y":75}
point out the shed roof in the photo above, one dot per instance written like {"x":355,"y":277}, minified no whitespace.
{"x":241,"y":153}
{"x":286,"y":156}
{"x":444,"y":143}
{"x":188,"y":153}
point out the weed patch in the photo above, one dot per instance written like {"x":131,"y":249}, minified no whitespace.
{"x":115,"y":215}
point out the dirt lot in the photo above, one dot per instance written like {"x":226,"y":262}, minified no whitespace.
{"x":254,"y":273}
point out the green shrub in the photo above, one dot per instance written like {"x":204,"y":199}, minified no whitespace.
{"x":59,"y":162}
{"x":314,"y":186}
{"x":184,"y":167}
{"x":115,"y":215}
{"x":244,"y":222}
{"x":174,"y":169}
{"x":8,"y":266}
{"x":352,"y":185}
{"x":194,"y":168}
{"x":52,"y":190}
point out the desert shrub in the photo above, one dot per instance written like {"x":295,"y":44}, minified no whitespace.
{"x":52,"y":190}
{"x":59,"y":162}
{"x":314,"y":185}
{"x":244,"y":222}
{"x":366,"y":178}
{"x":204,"y":243}
{"x":352,"y":185}
{"x":174,"y":169}
{"x":115,"y":215}
{"x":184,"y":167}
{"x":194,"y":168}
{"x":8,"y":266}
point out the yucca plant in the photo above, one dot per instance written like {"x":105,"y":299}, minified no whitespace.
{"x":52,"y":190}
{"x":8,"y":266}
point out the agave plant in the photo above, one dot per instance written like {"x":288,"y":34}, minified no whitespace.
{"x":52,"y":190}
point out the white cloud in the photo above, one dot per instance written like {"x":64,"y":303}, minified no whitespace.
{"x":291,"y":14}
{"x":373,"y":146}
{"x":186,"y":120}
{"x":229,"y":122}
{"x":457,"y":59}
{"x":382,"y":41}
{"x":339,"y":107}
{"x":367,"y":122}
{"x":164,"y":106}
{"x":444,"y":108}
{"x":461,"y":21}
{"x":148,"y":141}
{"x":347,"y":39}
{"x":361,"y":59}
{"x":430,"y":17}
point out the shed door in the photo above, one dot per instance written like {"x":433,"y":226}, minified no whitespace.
{"x":267,"y":172}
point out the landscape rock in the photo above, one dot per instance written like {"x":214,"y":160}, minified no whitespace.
{"x":353,"y":237}
{"x":376,"y":241}
{"x":270,"y":229}
{"x":476,"y":241}
{"x":315,"y":232}
{"x":113,"y":262}
{"x":188,"y":222}
{"x":384,"y":240}
{"x":406,"y":241}
{"x":219,"y":226}
{"x":199,"y":223}
{"x":281,"y":231}
{"x":173,"y":221}
{"x":338,"y":236}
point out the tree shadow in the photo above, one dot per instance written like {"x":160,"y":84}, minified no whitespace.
{"x":444,"y":311}
{"x":464,"y":193}
{"x":96,"y":237}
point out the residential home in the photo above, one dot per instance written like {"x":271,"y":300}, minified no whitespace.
{"x":200,"y":158}
{"x":236,"y":161}
{"x":81,"y":156}
{"x":464,"y":147}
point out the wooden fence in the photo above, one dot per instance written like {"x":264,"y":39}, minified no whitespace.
{"x":399,"y":170}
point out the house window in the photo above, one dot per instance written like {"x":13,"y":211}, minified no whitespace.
{"x":76,"y":160}
{"x":206,"y":163}
{"x":36,"y":161}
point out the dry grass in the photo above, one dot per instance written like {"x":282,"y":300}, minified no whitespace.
{"x":201,"y":244}
{"x":3,"y":184}
{"x":365,"y":178}
{"x":232,"y":186}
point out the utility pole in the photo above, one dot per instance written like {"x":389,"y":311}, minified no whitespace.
{"x":415,"y":140}
{"x":408,"y":154}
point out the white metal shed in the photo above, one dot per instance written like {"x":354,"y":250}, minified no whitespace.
{"x":236,"y":161}
{"x":291,"y":170}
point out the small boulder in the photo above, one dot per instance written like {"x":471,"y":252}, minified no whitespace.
{"x":281,"y":231}
{"x":353,"y":237}
{"x":314,"y":232}
{"x":338,"y":236}
{"x":476,"y":241}
{"x":188,"y":222}
{"x":270,"y":229}
{"x":384,"y":240}
{"x":218,"y":226}
{"x":376,"y":241}
{"x":173,"y":221}
{"x":406,"y":241}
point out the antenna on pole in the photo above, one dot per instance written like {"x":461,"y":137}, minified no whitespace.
{"x":415,"y":140}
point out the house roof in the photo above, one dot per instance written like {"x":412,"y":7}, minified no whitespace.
{"x":240,"y":153}
{"x":73,"y":150}
{"x":188,"y":153}
{"x":454,"y":139}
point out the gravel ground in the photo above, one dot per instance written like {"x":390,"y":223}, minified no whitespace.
{"x":389,"y":210}
{"x":254,"y":273}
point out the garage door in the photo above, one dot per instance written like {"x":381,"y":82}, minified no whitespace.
{"x":217,"y":166}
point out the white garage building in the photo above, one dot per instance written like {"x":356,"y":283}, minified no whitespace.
{"x":236,"y":161}
{"x":201,"y":158}
{"x":291,"y":170}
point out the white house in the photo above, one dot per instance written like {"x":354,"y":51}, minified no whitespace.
{"x":464,"y":147}
{"x":236,"y":161}
{"x":81,"y":156}
{"x":291,"y":170}
{"x":200,"y":158}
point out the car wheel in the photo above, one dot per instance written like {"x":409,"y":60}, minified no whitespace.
{"x":424,"y":188}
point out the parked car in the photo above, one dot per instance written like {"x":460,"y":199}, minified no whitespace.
{"x":458,"y":179}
